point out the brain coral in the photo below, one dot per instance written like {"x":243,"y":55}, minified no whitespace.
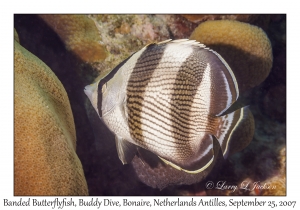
{"x":245,"y":47}
{"x":45,"y":161}
{"x":79,"y":34}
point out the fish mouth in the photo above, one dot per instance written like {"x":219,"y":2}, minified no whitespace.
{"x":86,"y":90}
{"x":91,"y":93}
{"x":89,"y":90}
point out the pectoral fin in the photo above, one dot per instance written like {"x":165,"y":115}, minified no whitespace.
{"x":125,"y":149}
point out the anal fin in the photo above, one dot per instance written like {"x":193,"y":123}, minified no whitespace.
{"x":235,"y":131}
{"x":202,"y":159}
{"x":125,"y":149}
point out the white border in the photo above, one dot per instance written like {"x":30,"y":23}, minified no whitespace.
{"x":150,"y":6}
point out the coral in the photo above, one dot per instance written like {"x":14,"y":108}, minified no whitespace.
{"x":45,"y":161}
{"x":79,"y":34}
{"x":245,"y":47}
{"x":275,"y":186}
{"x":125,"y":34}
{"x":197,"y":18}
{"x":178,"y":26}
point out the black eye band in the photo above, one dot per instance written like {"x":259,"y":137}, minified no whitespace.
{"x":105,"y":80}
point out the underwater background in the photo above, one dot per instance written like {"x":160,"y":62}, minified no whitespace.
{"x":79,"y":48}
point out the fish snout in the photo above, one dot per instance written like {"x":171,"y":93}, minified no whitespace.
{"x":91,"y":92}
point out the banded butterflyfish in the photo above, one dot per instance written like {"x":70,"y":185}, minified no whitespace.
{"x":169,"y":100}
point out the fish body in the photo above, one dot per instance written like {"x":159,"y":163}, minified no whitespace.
{"x":169,"y":98}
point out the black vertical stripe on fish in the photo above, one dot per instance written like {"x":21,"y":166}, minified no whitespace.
{"x":105,"y":79}
{"x":164,"y":72}
{"x":223,"y":92}
{"x":224,"y":89}
{"x":188,"y":80}
{"x":138,"y":81}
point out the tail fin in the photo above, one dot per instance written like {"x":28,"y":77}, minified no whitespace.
{"x":235,"y":131}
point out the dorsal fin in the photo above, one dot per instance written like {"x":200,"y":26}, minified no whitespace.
{"x":183,"y":42}
{"x":166,"y":41}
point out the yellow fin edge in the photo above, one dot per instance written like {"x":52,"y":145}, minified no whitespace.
{"x":187,"y":171}
{"x":232,"y":131}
